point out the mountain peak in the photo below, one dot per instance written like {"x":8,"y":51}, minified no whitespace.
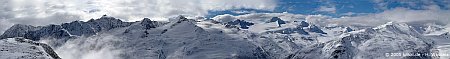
{"x":105,"y":18}
{"x":79,"y":28}
{"x":17,"y":30}
{"x":303,"y":24}
{"x":146,"y":20}
{"x":391,"y":25}
{"x":178,"y":18}
{"x":347,"y":29}
{"x":314,"y":28}
{"x":278,"y":20}
{"x":185,"y":27}
{"x":240,"y":23}
{"x":147,"y":23}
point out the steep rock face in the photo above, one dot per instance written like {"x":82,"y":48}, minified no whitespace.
{"x":17,"y":30}
{"x":314,"y":28}
{"x":240,"y":23}
{"x":54,"y":31}
{"x":35,"y":33}
{"x":147,"y":23}
{"x":106,"y":23}
{"x":20,"y":48}
{"x":278,"y":20}
{"x":66,"y":30}
{"x":79,"y":28}
{"x":303,"y":24}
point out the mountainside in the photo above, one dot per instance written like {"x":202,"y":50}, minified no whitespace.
{"x":20,"y":48}
{"x":373,"y":43}
{"x":275,"y":38}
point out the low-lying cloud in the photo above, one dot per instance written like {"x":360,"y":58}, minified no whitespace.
{"x":94,"y":47}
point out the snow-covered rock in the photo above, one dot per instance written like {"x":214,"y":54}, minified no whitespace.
{"x":303,"y":24}
{"x":66,"y":30}
{"x":18,"y":30}
{"x":106,"y":23}
{"x":20,"y":48}
{"x":278,"y":20}
{"x":300,"y":29}
{"x":313,"y":28}
{"x":238,"y":23}
{"x":147,"y":23}
{"x":79,"y":28}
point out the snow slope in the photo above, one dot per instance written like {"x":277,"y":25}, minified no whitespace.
{"x":20,"y":48}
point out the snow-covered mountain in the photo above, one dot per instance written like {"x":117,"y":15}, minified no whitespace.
{"x":274,"y":38}
{"x":372,"y":43}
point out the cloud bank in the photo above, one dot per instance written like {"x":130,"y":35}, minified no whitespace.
{"x":397,"y":15}
{"x":44,"y":12}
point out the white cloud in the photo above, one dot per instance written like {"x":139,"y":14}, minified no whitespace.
{"x":43,"y":12}
{"x":94,"y":47}
{"x":259,"y":17}
{"x":397,"y":15}
{"x":224,"y":18}
{"x":420,"y":4}
{"x":327,"y":9}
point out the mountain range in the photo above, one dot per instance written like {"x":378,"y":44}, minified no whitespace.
{"x":183,"y":38}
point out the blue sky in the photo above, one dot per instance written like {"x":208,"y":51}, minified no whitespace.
{"x":339,"y":8}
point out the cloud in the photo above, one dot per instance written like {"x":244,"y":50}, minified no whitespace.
{"x":162,"y":8}
{"x":395,"y":10}
{"x":224,"y":18}
{"x":43,"y":12}
{"x":327,"y":9}
{"x":414,"y":4}
{"x":260,"y":17}
{"x":396,"y":15}
{"x":94,"y":47}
